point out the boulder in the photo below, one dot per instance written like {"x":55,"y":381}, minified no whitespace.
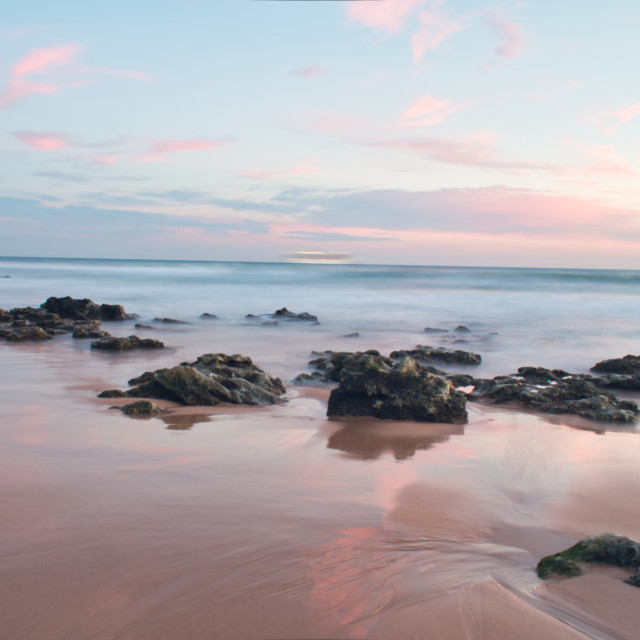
{"x":140,"y":408}
{"x":211,"y":379}
{"x":439,"y":354}
{"x":90,"y":330}
{"x":608,"y":548}
{"x":283,"y":315}
{"x":169,"y":321}
{"x":72,"y":308}
{"x":556,"y":391}
{"x":126,"y":344}
{"x":30,"y":333}
{"x":208,"y":316}
{"x":372,"y":385}
{"x":629,"y":365}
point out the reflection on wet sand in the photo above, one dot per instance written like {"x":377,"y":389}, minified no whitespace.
{"x":368,"y":439}
{"x":183,"y":422}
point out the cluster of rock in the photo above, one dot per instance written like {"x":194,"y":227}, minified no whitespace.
{"x":608,"y":548}
{"x":55,"y":316}
{"x":397,"y":387}
{"x":556,"y":391}
{"x":109,"y":343}
{"x":211,"y":379}
{"x":375,"y":385}
{"x":281,"y":315}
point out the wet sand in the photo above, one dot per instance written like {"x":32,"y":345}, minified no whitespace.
{"x":278,"y":523}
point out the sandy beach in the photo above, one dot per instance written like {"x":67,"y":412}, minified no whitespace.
{"x":275,"y":522}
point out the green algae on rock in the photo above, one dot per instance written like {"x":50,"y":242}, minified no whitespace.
{"x":607,"y":548}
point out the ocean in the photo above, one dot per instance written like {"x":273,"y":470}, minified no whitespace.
{"x":276,"y":522}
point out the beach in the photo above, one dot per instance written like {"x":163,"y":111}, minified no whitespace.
{"x":271,"y":522}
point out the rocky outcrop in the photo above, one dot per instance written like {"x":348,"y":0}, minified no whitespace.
{"x":608,"y":548}
{"x":372,"y":385}
{"x":627,"y":365}
{"x":282,"y":315}
{"x":211,"y":379}
{"x":85,"y":309}
{"x":208,"y":316}
{"x":439,"y":354}
{"x":556,"y":391}
{"x":169,"y":321}
{"x":140,"y":408}
{"x":58,"y":316}
{"x":126,"y":344}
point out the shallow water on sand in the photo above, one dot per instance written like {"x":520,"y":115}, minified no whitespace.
{"x":275,"y":522}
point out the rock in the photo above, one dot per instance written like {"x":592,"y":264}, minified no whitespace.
{"x":371,"y":385}
{"x":634,"y":579}
{"x":28,"y":334}
{"x":556,"y":392}
{"x":434,"y":330}
{"x":283,"y":314}
{"x":85,"y":309}
{"x":208,"y":316}
{"x":211,"y":379}
{"x":617,"y":381}
{"x":608,"y":548}
{"x":126,"y":344}
{"x":462,"y":329}
{"x":137,"y":325}
{"x":355,"y":334}
{"x":439,"y":354}
{"x":140,"y":408}
{"x":629,"y":365}
{"x":112,"y":393}
{"x":91,"y":330}
{"x":169,"y":321}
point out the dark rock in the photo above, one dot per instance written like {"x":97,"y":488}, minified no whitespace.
{"x":137,"y":325}
{"x":283,"y":315}
{"x":140,"y":408}
{"x":114,"y":313}
{"x":371,"y":385}
{"x":439,"y":354}
{"x":355,"y":334}
{"x":462,"y":329}
{"x":629,"y":364}
{"x":211,"y":379}
{"x":126,"y":344}
{"x":91,"y":330}
{"x":20,"y":323}
{"x":169,"y":321}
{"x":112,"y":393}
{"x":618,"y":381}
{"x":461,"y":380}
{"x":28,"y":334}
{"x":434,"y":330}
{"x":72,"y":308}
{"x":556,"y":392}
{"x":208,"y":316}
{"x":608,"y":548}
{"x":634,"y":579}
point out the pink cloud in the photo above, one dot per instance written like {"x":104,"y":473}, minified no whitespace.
{"x":627,"y":114}
{"x":41,"y":60}
{"x":427,"y":111}
{"x":42,"y":141}
{"x":160,"y":149}
{"x":435,"y":27}
{"x":607,"y":160}
{"x":476,"y":149}
{"x":306,"y":165}
{"x":46,"y":62}
{"x":510,"y":34}
{"x":389,"y":16}
{"x":309,"y":72}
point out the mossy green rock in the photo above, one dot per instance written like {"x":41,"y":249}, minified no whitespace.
{"x":372,"y":385}
{"x":608,"y":548}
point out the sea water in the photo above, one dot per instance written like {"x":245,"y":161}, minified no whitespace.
{"x":557,"y":318}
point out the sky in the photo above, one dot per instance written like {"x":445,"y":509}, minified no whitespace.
{"x":435,"y":132}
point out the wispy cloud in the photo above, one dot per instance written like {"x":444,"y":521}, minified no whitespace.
{"x":427,"y":111}
{"x":608,"y":119}
{"x":46,"y":65}
{"x":305,"y":165}
{"x":510,"y":35}
{"x":389,"y":16}
{"x":161,"y":148}
{"x":42,"y":141}
{"x":434,"y":28}
{"x":310,"y":71}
